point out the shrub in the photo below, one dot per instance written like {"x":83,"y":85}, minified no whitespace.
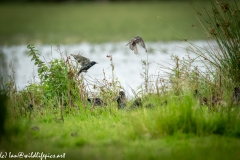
{"x":57,"y":80}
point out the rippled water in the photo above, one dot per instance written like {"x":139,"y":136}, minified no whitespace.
{"x":128,"y":65}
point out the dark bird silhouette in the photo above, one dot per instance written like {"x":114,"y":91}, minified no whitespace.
{"x":84,"y":62}
{"x":236,"y":96}
{"x":74,"y":134}
{"x":30,"y":107}
{"x":95,"y":101}
{"x":165,"y":102}
{"x":35,"y":128}
{"x":121,"y":100}
{"x":203,"y":100}
{"x":86,"y":67}
{"x":149,"y":105}
{"x":133,"y":44}
{"x":137,"y":103}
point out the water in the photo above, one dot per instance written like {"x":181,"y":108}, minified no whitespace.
{"x":128,"y":66}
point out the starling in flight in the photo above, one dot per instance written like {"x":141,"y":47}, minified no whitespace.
{"x":84,"y":62}
{"x":133,"y":44}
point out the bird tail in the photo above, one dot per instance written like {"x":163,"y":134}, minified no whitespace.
{"x":135,"y":49}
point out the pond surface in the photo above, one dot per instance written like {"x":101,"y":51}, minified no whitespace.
{"x":128,"y":66}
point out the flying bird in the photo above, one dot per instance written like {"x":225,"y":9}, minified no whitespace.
{"x":133,"y":44}
{"x":84,"y":62}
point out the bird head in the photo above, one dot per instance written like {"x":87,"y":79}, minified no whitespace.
{"x":236,"y":89}
{"x":122,"y":94}
{"x":93,"y":63}
{"x":89,"y":100}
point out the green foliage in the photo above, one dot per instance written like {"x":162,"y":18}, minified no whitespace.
{"x":184,"y":115}
{"x":167,"y":131}
{"x":36,"y":57}
{"x":224,"y":28}
{"x":213,"y":85}
{"x":55,"y":81}
{"x":56,"y":78}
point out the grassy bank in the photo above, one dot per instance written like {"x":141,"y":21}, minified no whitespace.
{"x":96,"y":22}
{"x":184,"y":131}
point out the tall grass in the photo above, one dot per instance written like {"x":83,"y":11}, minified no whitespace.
{"x":222,"y":25}
{"x":214,"y":84}
{"x":184,"y":115}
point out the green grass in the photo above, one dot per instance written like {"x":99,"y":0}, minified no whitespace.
{"x":96,"y":22}
{"x":143,"y":133}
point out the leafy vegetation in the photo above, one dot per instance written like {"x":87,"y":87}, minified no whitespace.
{"x":56,"y":77}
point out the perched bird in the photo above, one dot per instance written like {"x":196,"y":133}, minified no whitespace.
{"x":164,"y":103}
{"x":30,"y":107}
{"x":149,"y":105}
{"x":84,"y":62}
{"x":133,"y":44}
{"x":203,"y":100}
{"x":95,"y":101}
{"x":121,"y":100}
{"x":35,"y":128}
{"x":74,"y":134}
{"x":236,"y":96}
{"x":137,"y":103}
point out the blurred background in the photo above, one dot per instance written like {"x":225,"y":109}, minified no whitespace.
{"x":76,"y":21}
{"x":96,"y":28}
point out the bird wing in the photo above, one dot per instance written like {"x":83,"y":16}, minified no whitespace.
{"x":81,"y":60}
{"x":136,"y":40}
{"x":130,"y":42}
{"x":84,"y":68}
{"x":133,"y":47}
{"x":80,"y":71}
{"x":140,"y":41}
